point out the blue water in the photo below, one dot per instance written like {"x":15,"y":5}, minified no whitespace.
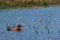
{"x":24,"y":16}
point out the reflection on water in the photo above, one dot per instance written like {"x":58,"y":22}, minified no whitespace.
{"x":38,"y":24}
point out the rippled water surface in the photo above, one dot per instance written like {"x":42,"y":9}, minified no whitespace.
{"x":35,"y":16}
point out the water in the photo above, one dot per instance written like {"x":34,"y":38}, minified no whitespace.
{"x":35,"y":16}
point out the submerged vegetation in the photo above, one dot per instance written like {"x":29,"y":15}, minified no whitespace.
{"x":26,"y":3}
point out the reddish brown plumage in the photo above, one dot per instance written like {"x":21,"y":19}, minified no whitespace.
{"x":17,"y":28}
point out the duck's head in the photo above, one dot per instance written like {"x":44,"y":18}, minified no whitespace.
{"x":8,"y":28}
{"x":19,"y":25}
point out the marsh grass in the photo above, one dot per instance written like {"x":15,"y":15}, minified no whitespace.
{"x":48,"y":21}
{"x":58,"y":31}
{"x":26,"y":3}
{"x":47,"y":27}
{"x":35,"y":24}
{"x":27,"y":24}
{"x":50,"y":17}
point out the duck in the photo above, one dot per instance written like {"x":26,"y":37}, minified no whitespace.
{"x":17,"y":28}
